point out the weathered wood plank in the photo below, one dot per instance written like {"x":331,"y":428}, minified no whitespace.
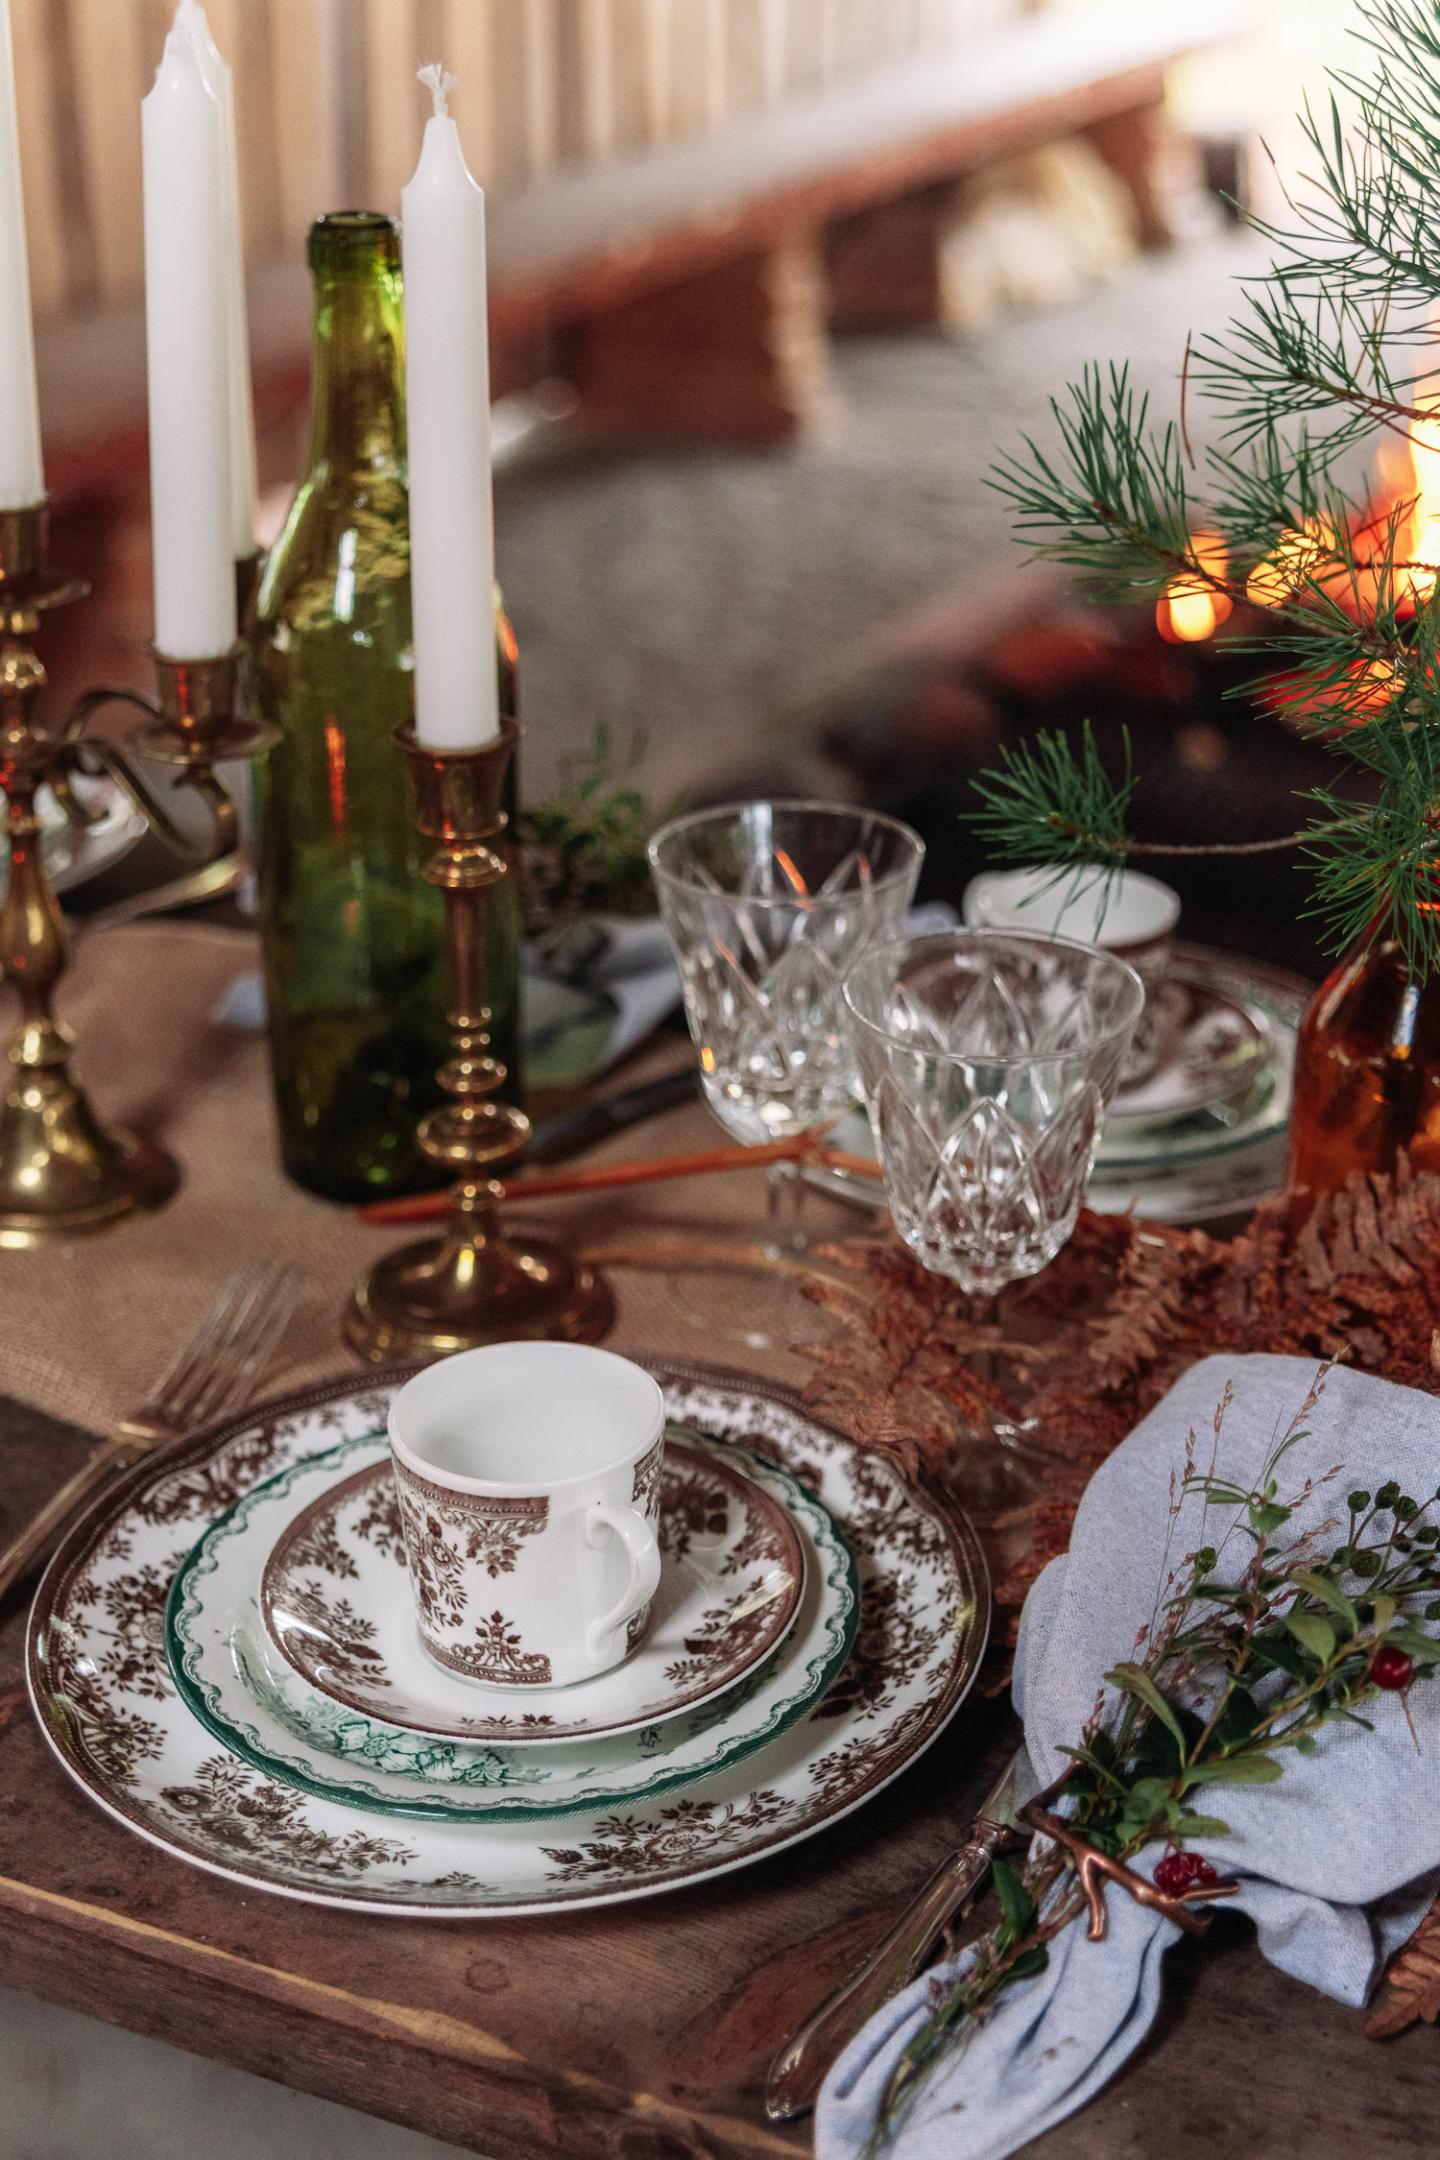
{"x":307,"y":83}
{"x":697,"y":99}
{"x":540,"y":85}
{"x":810,"y":46}
{"x":469,"y":51}
{"x":113,"y":70}
{"x":395,"y":107}
{"x":41,"y":95}
{"x":595,"y":67}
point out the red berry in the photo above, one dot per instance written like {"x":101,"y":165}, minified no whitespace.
{"x":1175,"y":1873}
{"x":1391,"y":1668}
{"x":1203,"y":1872}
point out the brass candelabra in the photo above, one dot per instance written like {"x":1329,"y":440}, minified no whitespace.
{"x":475,"y":1283}
{"x":61,"y":1169}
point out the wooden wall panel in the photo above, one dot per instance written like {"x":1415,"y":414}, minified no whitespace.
{"x":632,"y":73}
{"x":540,"y":83}
{"x":110,"y":77}
{"x":308,"y":78}
{"x":61,"y":264}
{"x":510,"y":118}
{"x":698,"y":101}
{"x":243,"y":27}
{"x":810,"y":45}
{"x":468,"y":42}
{"x":747,"y":56}
{"x":592,"y":141}
{"x":329,"y":114}
{"x":395,"y":108}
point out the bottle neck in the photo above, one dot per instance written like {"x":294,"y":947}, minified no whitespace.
{"x":357,"y":385}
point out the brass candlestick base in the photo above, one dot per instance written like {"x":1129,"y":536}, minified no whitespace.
{"x":61,"y":1170}
{"x":474,"y":1284}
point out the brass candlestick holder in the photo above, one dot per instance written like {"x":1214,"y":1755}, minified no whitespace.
{"x":475,"y":1283}
{"x":61,"y":1169}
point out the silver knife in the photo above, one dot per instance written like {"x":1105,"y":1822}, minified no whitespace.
{"x":799,"y":2069}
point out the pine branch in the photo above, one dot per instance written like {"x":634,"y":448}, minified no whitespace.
{"x":1047,"y":802}
{"x":1321,"y":354}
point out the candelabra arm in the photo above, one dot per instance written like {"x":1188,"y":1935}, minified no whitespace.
{"x":178,"y":728}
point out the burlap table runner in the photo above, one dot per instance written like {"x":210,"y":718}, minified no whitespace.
{"x":88,"y":1323}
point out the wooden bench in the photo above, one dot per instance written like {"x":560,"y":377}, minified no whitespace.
{"x":692,"y":290}
{"x":689,"y":288}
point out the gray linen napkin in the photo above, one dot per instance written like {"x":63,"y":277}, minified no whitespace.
{"x":1337,"y":1861}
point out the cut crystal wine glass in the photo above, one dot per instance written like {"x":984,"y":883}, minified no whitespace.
{"x":989,"y":1059}
{"x":767,"y":905}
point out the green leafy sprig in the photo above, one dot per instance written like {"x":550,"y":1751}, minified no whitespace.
{"x":583,"y":850}
{"x":1336,"y":342}
{"x":1258,"y":1638}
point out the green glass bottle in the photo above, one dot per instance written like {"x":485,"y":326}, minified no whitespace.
{"x":355,"y":962}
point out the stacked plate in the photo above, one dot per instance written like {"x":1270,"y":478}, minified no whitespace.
{"x":224,"y":1656}
{"x":1206,"y":1135}
{"x":1203,"y":1137}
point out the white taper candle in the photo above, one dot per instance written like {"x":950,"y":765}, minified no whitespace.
{"x":447,"y":377}
{"x":243,"y":482}
{"x":187,"y":346}
{"x":22,"y":476}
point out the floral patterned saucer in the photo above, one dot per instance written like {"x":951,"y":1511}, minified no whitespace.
{"x":106,"y":1703}
{"x":335,"y":1600}
{"x":233,"y":1679}
{"x":1214,"y":1044}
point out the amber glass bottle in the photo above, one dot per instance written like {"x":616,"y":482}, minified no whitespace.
{"x":355,"y":963}
{"x":1367,"y":1073}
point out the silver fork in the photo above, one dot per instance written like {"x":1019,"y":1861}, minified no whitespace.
{"x":216,"y":1370}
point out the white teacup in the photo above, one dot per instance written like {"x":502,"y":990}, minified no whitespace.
{"x":1122,"y":911}
{"x":528,"y":1475}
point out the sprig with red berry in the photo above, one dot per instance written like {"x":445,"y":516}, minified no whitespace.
{"x":1259,"y":1637}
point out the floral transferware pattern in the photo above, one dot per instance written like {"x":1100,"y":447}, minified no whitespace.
{"x":252,"y":1700}
{"x":441,"y":1528}
{"x":497,"y":1653}
{"x":645,"y":1494}
{"x":712,"y":1621}
{"x":256,"y":1830}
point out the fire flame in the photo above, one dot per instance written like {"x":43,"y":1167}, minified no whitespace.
{"x":1409,"y":474}
{"x":1190,"y":609}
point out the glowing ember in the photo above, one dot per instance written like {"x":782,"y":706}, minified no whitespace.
{"x":1190,"y":609}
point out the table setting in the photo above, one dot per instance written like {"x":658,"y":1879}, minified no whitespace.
{"x":781,"y":1636}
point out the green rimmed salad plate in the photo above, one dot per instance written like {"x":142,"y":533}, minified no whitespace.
{"x":719,"y":1505}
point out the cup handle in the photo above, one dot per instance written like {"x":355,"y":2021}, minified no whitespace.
{"x":638,"y":1537}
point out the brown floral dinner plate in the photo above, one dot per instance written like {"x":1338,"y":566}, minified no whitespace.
{"x":105,"y":1698}
{"x":335,"y":1599}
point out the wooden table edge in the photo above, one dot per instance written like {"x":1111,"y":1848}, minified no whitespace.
{"x":480,"y":2092}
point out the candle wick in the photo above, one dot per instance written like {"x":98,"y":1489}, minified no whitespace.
{"x":439,"y":82}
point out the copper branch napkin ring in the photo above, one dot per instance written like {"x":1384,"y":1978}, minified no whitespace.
{"x":1095,"y":1868}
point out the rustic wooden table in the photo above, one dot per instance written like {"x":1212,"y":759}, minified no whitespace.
{"x":636,"y":2033}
